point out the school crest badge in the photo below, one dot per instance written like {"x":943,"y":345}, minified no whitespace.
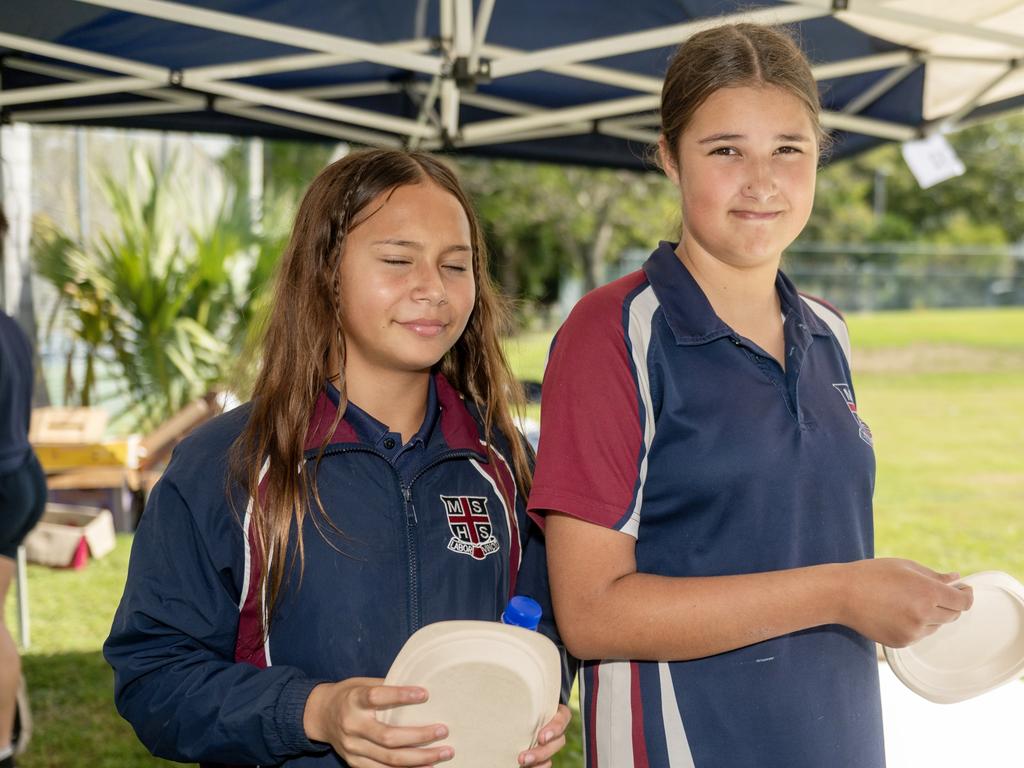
{"x":862,"y":429}
{"x":470,"y":523}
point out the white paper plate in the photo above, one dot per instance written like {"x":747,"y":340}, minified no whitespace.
{"x":980,"y":651}
{"x":493,"y":685}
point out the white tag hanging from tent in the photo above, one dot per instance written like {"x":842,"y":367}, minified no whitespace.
{"x":932,"y":160}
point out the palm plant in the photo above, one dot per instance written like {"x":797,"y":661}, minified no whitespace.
{"x":84,"y":306}
{"x":166,"y":295}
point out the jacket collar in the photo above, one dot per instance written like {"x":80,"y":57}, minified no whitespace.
{"x":688,"y":311}
{"x":459,"y":428}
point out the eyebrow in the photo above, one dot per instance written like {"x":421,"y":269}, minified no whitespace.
{"x":794,"y":137}
{"x":418,"y":246}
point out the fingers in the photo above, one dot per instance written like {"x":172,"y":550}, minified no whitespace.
{"x":550,"y":739}
{"x":387,"y":696}
{"x":943,"y":616}
{"x":395,"y":736}
{"x":365,"y":742}
{"x":956,"y":598}
{"x":366,"y":754}
{"x":541,"y":755}
{"x":409,"y":757}
{"x":966,"y":596}
{"x":397,"y":745}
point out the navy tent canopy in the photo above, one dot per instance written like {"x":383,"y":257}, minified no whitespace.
{"x":572,"y":81}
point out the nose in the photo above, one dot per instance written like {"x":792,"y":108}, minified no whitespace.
{"x":760,"y":184}
{"x":429,"y":284}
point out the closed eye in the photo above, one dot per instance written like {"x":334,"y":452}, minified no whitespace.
{"x":456,"y":267}
{"x":397,"y":260}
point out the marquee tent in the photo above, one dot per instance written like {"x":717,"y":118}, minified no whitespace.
{"x":572,"y":81}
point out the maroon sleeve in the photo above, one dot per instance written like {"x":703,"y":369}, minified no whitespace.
{"x":591,"y":440}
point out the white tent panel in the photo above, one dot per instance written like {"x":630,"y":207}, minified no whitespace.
{"x":1013,"y":85}
{"x":990,"y":31}
{"x":948,"y":85}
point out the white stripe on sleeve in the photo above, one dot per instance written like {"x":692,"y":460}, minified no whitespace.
{"x":641,"y":315}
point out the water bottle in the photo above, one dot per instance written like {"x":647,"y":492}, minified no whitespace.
{"x":522,"y":611}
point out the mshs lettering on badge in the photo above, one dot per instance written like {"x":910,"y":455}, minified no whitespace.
{"x":470,"y":523}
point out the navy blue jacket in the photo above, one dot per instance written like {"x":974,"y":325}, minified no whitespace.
{"x":192,"y":673}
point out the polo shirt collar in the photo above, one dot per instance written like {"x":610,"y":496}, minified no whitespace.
{"x":373,"y":432}
{"x":689,"y":313}
{"x":452,"y":416}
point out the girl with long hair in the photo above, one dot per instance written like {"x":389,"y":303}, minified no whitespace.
{"x":295,"y":543}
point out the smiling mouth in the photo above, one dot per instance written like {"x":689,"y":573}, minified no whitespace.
{"x":756,"y":215}
{"x":424,"y":327}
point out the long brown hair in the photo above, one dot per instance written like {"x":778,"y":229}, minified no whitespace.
{"x":304,"y":335}
{"x":731,"y":56}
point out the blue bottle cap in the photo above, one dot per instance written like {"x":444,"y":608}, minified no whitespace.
{"x":523,"y":612}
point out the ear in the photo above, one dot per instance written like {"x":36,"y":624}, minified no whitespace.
{"x":667,"y":159}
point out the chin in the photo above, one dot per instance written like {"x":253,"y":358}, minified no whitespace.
{"x":421,"y":365}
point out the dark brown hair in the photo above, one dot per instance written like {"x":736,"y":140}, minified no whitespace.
{"x":304,"y":337}
{"x":732,"y":56}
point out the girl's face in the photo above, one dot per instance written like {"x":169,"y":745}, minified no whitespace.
{"x":745,"y":167}
{"x":407,"y":286}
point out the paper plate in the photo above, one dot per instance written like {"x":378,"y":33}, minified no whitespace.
{"x":980,"y":651}
{"x":493,"y":685}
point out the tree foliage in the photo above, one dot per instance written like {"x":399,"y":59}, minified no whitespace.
{"x":984,"y":206}
{"x":545,"y":222}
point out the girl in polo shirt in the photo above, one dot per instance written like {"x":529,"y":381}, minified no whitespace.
{"x":374,"y":484}
{"x":705,"y":477}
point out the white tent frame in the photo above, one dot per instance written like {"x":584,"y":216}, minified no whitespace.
{"x":462,"y":58}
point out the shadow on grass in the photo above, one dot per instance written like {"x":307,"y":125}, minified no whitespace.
{"x":74,"y":719}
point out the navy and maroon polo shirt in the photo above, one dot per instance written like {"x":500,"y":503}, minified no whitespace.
{"x":660,"y":421}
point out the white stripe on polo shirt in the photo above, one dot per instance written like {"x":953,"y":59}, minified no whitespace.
{"x":581,"y":681}
{"x":676,"y":743}
{"x":614,"y":721}
{"x":835,"y":324}
{"x":641,"y":316}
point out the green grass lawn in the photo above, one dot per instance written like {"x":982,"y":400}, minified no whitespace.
{"x":943,"y":393}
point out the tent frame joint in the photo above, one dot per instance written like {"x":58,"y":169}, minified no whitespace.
{"x":448,"y":141}
{"x":465,"y":77}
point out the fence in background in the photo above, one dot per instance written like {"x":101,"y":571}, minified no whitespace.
{"x":879,"y":276}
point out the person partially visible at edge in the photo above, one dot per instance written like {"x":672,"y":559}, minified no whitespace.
{"x":295,"y":543}
{"x":703,"y":470}
{"x":22,"y":498}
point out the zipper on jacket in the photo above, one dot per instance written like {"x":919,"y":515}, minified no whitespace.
{"x":411,"y":521}
{"x":413,"y":554}
{"x":410,"y":508}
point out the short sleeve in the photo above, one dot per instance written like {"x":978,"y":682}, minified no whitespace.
{"x":591,"y":437}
